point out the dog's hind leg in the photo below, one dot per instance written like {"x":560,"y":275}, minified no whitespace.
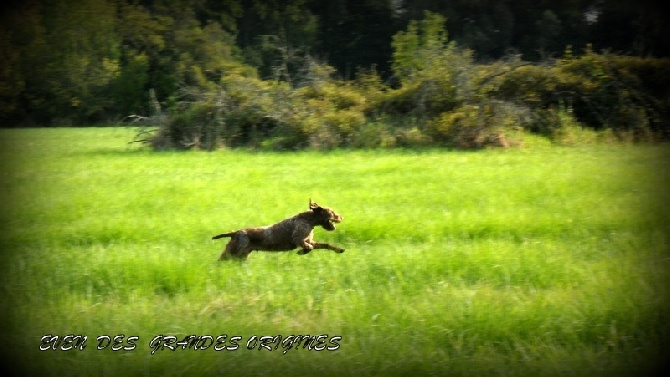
{"x":228,"y":252}
{"x":237,"y":248}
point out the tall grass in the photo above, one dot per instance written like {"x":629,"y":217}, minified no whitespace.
{"x":539,"y":261}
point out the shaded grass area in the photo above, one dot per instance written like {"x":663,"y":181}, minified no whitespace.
{"x":539,"y":261}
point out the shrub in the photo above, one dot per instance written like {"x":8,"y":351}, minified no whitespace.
{"x":325,"y":115}
{"x":436,"y":76}
{"x":373,"y":134}
{"x":411,"y":137}
{"x":534,"y":86}
{"x":199,"y":126}
{"x":476,"y":126}
{"x":441,"y":98}
{"x":570,"y":132}
{"x":604,"y":91}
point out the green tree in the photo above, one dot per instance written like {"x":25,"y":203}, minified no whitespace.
{"x":143,"y":40}
{"x":80,"y":57}
{"x":19,"y":28}
{"x":549,"y":30}
{"x":435,"y":74}
{"x":276,"y":36}
{"x":171,"y":45}
{"x":356,"y":34}
{"x":637,"y":27}
{"x":419,"y":47}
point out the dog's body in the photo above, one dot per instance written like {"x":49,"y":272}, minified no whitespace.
{"x":285,"y":235}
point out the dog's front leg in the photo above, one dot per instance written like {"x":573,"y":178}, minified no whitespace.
{"x":319,"y":245}
{"x":302,"y":237}
{"x":306,"y":248}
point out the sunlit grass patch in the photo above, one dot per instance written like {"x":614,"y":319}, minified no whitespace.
{"x":519,"y":262}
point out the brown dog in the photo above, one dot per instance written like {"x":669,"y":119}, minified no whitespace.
{"x":285,"y":235}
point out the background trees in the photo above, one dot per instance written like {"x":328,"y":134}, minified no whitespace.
{"x":396,"y":71}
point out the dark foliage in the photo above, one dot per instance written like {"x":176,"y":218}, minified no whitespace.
{"x":338,"y":73}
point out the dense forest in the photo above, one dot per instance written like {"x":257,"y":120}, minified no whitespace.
{"x":330,"y":73}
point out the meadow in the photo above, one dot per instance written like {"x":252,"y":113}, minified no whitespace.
{"x":541,"y":260}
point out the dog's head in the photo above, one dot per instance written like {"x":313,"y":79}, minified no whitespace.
{"x":325,"y":216}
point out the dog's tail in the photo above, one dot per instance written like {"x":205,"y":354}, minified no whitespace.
{"x":223,"y":235}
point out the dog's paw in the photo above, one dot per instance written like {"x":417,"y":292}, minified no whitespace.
{"x":339,"y":251}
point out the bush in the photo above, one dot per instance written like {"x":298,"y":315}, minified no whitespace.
{"x":411,"y":138}
{"x":199,"y":126}
{"x":570,"y":132}
{"x":476,"y":126}
{"x":443,"y":98}
{"x":323,"y":115}
{"x":373,"y":134}
{"x":625,"y":94}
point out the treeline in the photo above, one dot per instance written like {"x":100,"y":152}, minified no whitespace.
{"x":324,"y":74}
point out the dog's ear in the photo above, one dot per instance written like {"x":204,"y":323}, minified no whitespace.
{"x":313,"y":205}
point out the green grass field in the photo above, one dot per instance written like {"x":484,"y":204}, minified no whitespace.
{"x":535,"y":261}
